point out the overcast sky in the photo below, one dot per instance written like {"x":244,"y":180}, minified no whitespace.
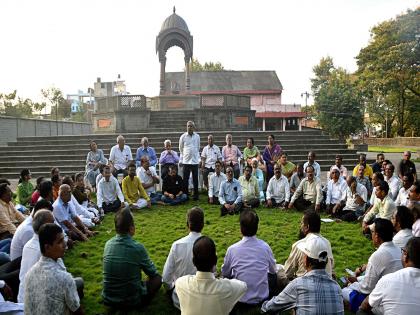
{"x":68,"y":44}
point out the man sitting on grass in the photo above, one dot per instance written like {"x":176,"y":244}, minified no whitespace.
{"x":308,"y":196}
{"x":403,"y":220}
{"x":109,"y":195}
{"x":133,"y":190}
{"x":215,"y":181}
{"x":250,"y":190}
{"x":278,"y":192}
{"x":172,"y":188}
{"x":123,"y":261}
{"x":356,"y":197}
{"x":149,"y":178}
{"x":230,"y":194}
{"x":336,"y":192}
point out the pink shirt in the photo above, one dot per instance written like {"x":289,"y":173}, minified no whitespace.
{"x":231,"y":154}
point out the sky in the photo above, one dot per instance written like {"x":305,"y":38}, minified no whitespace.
{"x":68,"y":44}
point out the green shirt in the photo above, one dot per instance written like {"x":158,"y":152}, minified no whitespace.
{"x":24,"y":193}
{"x":250,"y":153}
{"x":287,"y":170}
{"x":124,"y":259}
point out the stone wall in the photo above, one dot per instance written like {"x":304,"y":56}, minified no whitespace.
{"x":12,"y":127}
{"x":399,"y":141}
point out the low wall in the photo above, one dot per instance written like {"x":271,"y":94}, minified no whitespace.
{"x":12,"y":127}
{"x":398,"y":141}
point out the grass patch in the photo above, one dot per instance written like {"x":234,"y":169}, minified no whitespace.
{"x":390,"y":149}
{"x":158,"y":227}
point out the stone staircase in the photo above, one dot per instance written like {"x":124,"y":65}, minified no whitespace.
{"x":40,"y":154}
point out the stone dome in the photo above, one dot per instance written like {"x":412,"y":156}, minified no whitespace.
{"x":174,"y":21}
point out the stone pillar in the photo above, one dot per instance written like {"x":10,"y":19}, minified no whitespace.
{"x":300,"y":124}
{"x":263,"y":124}
{"x":284,"y":124}
{"x":162,"y":75}
{"x":187,"y":76}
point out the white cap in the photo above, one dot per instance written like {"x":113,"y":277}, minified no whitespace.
{"x":335,"y":167}
{"x":314,"y":247}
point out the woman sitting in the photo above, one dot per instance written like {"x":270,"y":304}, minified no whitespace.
{"x":94,"y":160}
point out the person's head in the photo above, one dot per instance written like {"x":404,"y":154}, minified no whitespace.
{"x":254,"y":163}
{"x":351,"y":182}
{"x":93,"y":146}
{"x":167,"y":144}
{"x":51,"y":241}
{"x":55,"y":171}
{"x":210,"y":140}
{"x":271,"y":139}
{"x":195,"y":219}
{"x":172,"y":171}
{"x":338,"y":160}
{"x":250,"y":142}
{"x":406,"y":155}
{"x":402,"y":218}
{"x":190,"y":127}
{"x":101,"y":169}
{"x":248,"y":221}
{"x":65,"y":193}
{"x":145,"y":162}
{"x":46,"y":190}
{"x":25,"y":175}
{"x":39,"y":180}
{"x":383,"y":231}
{"x":204,"y":254}
{"x":79,"y":180}
{"x":335,"y":174}
{"x":361,"y":171}
{"x":144,"y":142}
{"x":311,"y":156}
{"x":310,"y":223}
{"x":310,"y":172}
{"x":229,"y":173}
{"x":411,"y":253}
{"x":67,"y":180}
{"x":107,"y":173}
{"x":315,"y":251}
{"x":414,"y":193}
{"x":380,"y":157}
{"x":229,"y":139}
{"x":389,"y":170}
{"x":283,"y":158}
{"x":121,"y":141}
{"x":277,"y":170}
{"x":362,"y":159}
{"x":56,"y":180}
{"x":382,"y":190}
{"x":408,"y":180}
{"x":42,"y":204}
{"x":376,"y":178}
{"x":218,"y":167}
{"x":42,"y":217}
{"x":124,"y":222}
{"x":299,"y":168}
{"x":4,"y":181}
{"x":131,"y":170}
{"x":248,"y":171}
{"x":5,"y":193}
{"x":385,"y":163}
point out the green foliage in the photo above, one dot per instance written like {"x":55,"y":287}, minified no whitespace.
{"x":196,"y":66}
{"x":388,"y":72}
{"x":60,"y":107}
{"x":158,"y":227}
{"x":12,"y":105}
{"x":337,"y":100}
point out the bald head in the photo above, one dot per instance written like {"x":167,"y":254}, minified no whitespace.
{"x":204,"y":254}
{"x":65,"y":193}
{"x":42,"y":217}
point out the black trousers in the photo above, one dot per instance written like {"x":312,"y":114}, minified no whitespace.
{"x":187,"y":169}
{"x":111,"y":207}
{"x":303,"y":204}
{"x":253,"y":203}
{"x":206,"y":173}
{"x":237,"y":209}
{"x":9,"y":272}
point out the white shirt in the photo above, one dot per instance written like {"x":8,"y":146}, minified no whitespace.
{"x":214,"y":184}
{"x":147,"y":179}
{"x":120,"y":158}
{"x":211,"y":154}
{"x":386,"y":259}
{"x":397,"y":293}
{"x":351,"y":199}
{"x":189,"y":148}
{"x":402,"y":198}
{"x":80,"y":210}
{"x":394,"y":186}
{"x":416,"y":228}
{"x":23,"y":234}
{"x":278,"y":189}
{"x":336,"y":191}
{"x":203,"y":294}
{"x":30,"y":256}
{"x":109,"y":191}
{"x":317,"y":169}
{"x":401,"y":238}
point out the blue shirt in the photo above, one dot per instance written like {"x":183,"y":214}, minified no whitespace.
{"x":63,"y":212}
{"x":150,"y":152}
{"x":230,"y":192}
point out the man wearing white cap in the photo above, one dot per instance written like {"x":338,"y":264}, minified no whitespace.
{"x":313,"y":293}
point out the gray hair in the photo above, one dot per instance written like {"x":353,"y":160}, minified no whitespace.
{"x":120,"y":137}
{"x":144,"y":139}
{"x":191,"y":122}
{"x":41,"y":217}
{"x":167,"y":141}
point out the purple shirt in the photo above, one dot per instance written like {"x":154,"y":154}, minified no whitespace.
{"x":166,"y":158}
{"x":250,"y":260}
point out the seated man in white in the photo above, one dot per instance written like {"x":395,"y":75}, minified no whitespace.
{"x":215,"y":180}
{"x":109,"y":196}
{"x":402,"y":198}
{"x":250,"y":190}
{"x":356,"y":197}
{"x":202,"y":293}
{"x":210,"y":154}
{"x":31,"y":252}
{"x":278,"y":191}
{"x":398,"y":292}
{"x":120,"y":156}
{"x":336,"y":191}
{"x":403,"y":220}
{"x":386,"y":259}
{"x":149,"y":179}
{"x":392,"y":180}
{"x":179,"y":262}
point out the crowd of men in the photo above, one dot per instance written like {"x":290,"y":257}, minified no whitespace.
{"x":39,"y":223}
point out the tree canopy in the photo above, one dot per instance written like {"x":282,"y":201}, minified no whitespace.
{"x":196,"y":66}
{"x":13,"y":105}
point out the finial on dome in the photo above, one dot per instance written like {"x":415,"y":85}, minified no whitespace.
{"x":174,"y":9}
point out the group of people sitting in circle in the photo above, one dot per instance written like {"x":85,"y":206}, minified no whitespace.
{"x":36,"y":229}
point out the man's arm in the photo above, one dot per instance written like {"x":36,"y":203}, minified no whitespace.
{"x":211,"y":188}
{"x":169,"y":269}
{"x":153,"y":157}
{"x":284,"y":301}
{"x":118,"y":190}
{"x":318,"y":193}
{"x":239,"y":197}
{"x":222,"y":200}
{"x":298,"y":192}
{"x":5,"y":223}
{"x":181,"y":147}
{"x":287,"y":190}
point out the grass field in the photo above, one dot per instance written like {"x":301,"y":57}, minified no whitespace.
{"x":158,"y":227}
{"x":390,"y":149}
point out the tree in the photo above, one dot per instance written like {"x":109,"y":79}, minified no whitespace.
{"x":12,"y":105}
{"x":337,"y":99}
{"x":196,"y":66}
{"x":60,"y":107}
{"x":388,"y":72}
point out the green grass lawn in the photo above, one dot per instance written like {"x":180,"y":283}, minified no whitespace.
{"x":390,"y":149}
{"x":158,"y":227}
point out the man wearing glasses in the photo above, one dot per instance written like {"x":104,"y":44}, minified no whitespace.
{"x":230,"y":194}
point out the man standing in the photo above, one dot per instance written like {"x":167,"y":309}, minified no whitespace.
{"x":202,"y":293}
{"x":230,"y":194}
{"x":250,"y":190}
{"x":189,"y":148}
{"x":180,"y":259}
{"x":406,"y":166}
{"x":215,"y":181}
{"x":231,"y":156}
{"x":308,"y":195}
{"x":146,"y":150}
{"x":133,"y":190}
{"x":123,"y":261}
{"x":109,"y":195}
{"x":149,"y":179}
{"x":211,"y":153}
{"x":278,"y":192}
{"x":119,"y":157}
{"x":311,"y":162}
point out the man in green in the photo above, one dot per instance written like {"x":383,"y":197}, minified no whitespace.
{"x":124,"y":259}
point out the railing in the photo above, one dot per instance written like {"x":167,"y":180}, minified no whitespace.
{"x":120,"y":102}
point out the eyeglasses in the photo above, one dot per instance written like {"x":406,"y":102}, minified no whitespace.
{"x":227,"y":172}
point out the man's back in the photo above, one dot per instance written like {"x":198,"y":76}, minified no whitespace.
{"x":205,"y":295}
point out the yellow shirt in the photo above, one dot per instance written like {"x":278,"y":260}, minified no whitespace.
{"x":133,"y":190}
{"x":9,"y":217}
{"x":368,"y":170}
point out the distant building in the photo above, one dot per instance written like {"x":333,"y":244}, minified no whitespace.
{"x":108,"y":89}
